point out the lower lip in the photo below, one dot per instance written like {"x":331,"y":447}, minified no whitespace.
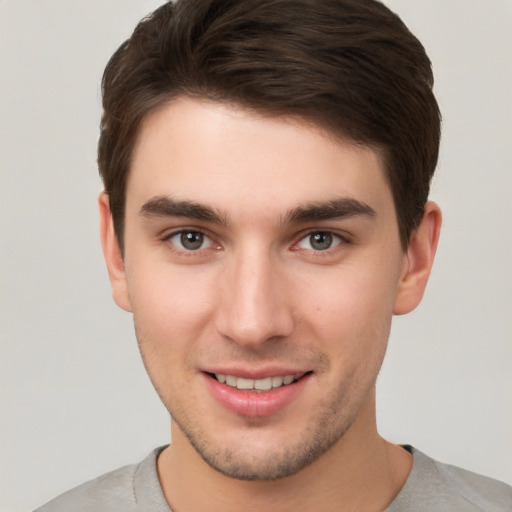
{"x":255,"y":404}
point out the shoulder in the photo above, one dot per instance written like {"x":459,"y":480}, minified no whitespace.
{"x":433,"y":485}
{"x":115,"y":488}
{"x":115,"y":491}
{"x":484,"y":493}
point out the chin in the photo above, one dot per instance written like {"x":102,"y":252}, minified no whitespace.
{"x":268,"y":456}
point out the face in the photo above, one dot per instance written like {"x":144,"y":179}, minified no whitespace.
{"x":262,"y":265}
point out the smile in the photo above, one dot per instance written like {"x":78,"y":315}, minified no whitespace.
{"x":256,"y":397}
{"x":265,"y":384}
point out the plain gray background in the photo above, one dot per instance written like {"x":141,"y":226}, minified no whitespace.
{"x":75,"y":400}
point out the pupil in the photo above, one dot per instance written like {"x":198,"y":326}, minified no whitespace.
{"x":321,"y":241}
{"x":192,"y":240}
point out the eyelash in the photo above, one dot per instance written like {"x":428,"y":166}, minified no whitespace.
{"x":338,"y":240}
{"x":182,"y":251}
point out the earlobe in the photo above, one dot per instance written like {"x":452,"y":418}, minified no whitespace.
{"x":112,"y":254}
{"x":419,"y":259}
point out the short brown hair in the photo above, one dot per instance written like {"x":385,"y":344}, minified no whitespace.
{"x":350,"y":66}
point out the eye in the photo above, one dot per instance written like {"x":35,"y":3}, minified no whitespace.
{"x":319,"y":241}
{"x":190,"y":240}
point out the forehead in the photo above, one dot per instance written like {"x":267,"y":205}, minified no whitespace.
{"x":241,"y":161}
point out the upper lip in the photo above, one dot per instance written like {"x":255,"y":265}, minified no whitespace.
{"x":256,"y":373}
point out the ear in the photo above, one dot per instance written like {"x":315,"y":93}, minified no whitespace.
{"x":418,"y":261}
{"x":112,"y":254}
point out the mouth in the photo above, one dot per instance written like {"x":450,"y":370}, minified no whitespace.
{"x":256,"y":397}
{"x":264,"y":384}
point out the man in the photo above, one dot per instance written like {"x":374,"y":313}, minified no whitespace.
{"x":266,"y":168}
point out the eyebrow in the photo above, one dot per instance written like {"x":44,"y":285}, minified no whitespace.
{"x":333,"y":209}
{"x":163,"y":206}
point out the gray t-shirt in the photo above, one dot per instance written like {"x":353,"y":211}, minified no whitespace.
{"x":431,"y":487}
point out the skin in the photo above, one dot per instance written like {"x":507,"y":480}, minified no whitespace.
{"x":255,"y":293}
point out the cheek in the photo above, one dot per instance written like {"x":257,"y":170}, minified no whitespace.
{"x":171,"y":306}
{"x":170,"y":312}
{"x":350,"y":310}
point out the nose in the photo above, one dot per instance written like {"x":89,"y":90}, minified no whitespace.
{"x":255,"y":304}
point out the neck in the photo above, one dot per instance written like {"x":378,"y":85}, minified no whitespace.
{"x":361,"y":472}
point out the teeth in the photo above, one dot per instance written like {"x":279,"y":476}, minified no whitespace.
{"x":288,"y":379}
{"x":263,"y":384}
{"x":244,"y":383}
{"x":277,"y":382}
{"x":231,"y":381}
{"x":258,"y":384}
